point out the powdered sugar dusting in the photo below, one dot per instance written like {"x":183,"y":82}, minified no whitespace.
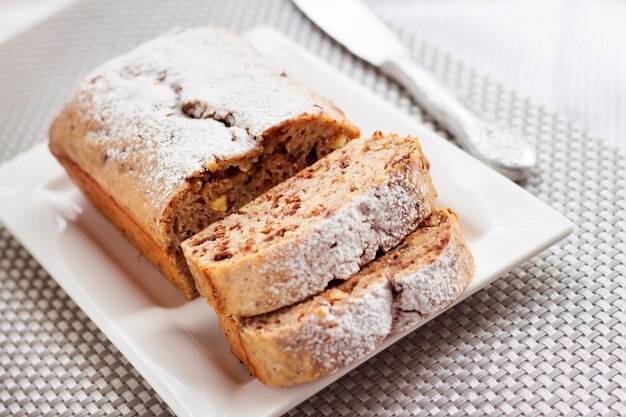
{"x":338,"y":246}
{"x":429,"y":290}
{"x":409,"y":283}
{"x":346,"y":332}
{"x":320,"y":336}
{"x":168,"y":109}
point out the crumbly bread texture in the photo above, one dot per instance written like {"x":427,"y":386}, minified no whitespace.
{"x":184,"y":130}
{"x":322,"y":224}
{"x":347,"y":321}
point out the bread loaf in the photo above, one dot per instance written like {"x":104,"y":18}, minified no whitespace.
{"x":320,"y":225}
{"x":184,"y":130}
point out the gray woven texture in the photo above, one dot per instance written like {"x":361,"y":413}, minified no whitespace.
{"x":547,"y":340}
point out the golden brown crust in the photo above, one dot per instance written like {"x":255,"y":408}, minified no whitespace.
{"x":127,"y":225}
{"x":172,"y":264}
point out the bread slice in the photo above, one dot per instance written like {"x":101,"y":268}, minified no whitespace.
{"x":322,"y":224}
{"x":184,"y":130}
{"x":316,"y":337}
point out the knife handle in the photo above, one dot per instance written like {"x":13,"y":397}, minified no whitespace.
{"x":496,"y":147}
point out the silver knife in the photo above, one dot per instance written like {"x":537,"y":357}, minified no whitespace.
{"x":357,"y":28}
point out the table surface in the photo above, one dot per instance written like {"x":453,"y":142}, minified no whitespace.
{"x":547,"y":339}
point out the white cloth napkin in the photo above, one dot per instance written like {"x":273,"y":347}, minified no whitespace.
{"x":566,"y":55}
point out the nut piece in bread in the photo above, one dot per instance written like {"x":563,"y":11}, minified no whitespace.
{"x":322,"y":224}
{"x":184,"y":130}
{"x":347,"y":321}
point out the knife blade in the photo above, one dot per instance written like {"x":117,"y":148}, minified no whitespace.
{"x":358,"y":29}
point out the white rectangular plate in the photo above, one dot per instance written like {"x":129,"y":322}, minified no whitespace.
{"x":176,"y":345}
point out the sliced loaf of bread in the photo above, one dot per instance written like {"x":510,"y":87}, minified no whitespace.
{"x":320,"y":225}
{"x":417,"y":279}
{"x":184,"y":130}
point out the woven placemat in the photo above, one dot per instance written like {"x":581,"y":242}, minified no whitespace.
{"x":548,"y":339}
